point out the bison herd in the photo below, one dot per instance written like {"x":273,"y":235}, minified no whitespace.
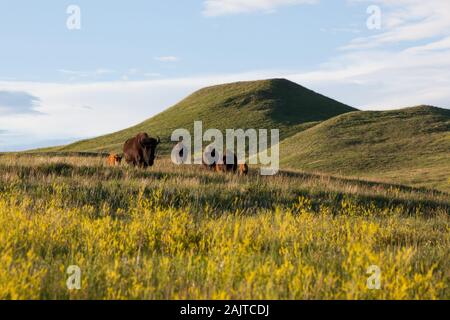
{"x":140,"y":151}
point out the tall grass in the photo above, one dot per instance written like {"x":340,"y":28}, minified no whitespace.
{"x":183,"y":233}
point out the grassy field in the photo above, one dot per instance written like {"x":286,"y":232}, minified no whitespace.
{"x":181,"y":232}
{"x":408,"y":146}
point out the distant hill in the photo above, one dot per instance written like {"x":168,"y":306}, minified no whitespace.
{"x":274,"y":103}
{"x":410,"y":146}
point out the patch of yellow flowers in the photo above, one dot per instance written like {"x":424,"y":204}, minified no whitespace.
{"x":151,"y":252}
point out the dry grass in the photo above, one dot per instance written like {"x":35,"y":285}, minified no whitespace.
{"x":181,"y":232}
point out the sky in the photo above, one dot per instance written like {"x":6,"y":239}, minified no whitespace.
{"x":77,"y":69}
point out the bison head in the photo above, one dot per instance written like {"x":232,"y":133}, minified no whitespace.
{"x":148,"y":146}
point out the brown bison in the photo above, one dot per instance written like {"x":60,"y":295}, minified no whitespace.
{"x":141,"y":150}
{"x":114,"y":160}
{"x":219,"y":166}
{"x":226,"y":166}
{"x":209,"y":151}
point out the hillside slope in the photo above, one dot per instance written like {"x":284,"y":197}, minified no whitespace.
{"x":275,"y":103}
{"x":410,"y":146}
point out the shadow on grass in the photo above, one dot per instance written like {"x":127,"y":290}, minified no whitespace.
{"x":363,"y":183}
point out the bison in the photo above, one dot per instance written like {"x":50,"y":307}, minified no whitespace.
{"x":209,"y":152}
{"x":243,"y":169}
{"x":227,"y":166}
{"x":114,"y":160}
{"x":210,"y":156}
{"x":141,"y":150}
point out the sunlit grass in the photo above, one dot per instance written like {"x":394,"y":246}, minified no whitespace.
{"x":183,"y":233}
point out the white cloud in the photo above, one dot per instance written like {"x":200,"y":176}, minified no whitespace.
{"x":167,"y":59}
{"x":407,"y":20}
{"x":383,"y":79}
{"x":406,"y":63}
{"x":84,"y":110}
{"x":443,"y":44}
{"x":214,"y":8}
{"x":77,"y":74}
{"x":74,"y":73}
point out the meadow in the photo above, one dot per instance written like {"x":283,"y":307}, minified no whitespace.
{"x":185,"y":233}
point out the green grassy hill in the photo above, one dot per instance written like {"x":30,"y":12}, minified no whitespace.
{"x":410,"y":146}
{"x":275,"y":103}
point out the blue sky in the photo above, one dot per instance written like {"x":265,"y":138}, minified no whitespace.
{"x":132,"y":60}
{"x":121,"y":37}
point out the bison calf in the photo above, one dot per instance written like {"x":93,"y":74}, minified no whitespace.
{"x":114,"y":160}
{"x":243,"y":169}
